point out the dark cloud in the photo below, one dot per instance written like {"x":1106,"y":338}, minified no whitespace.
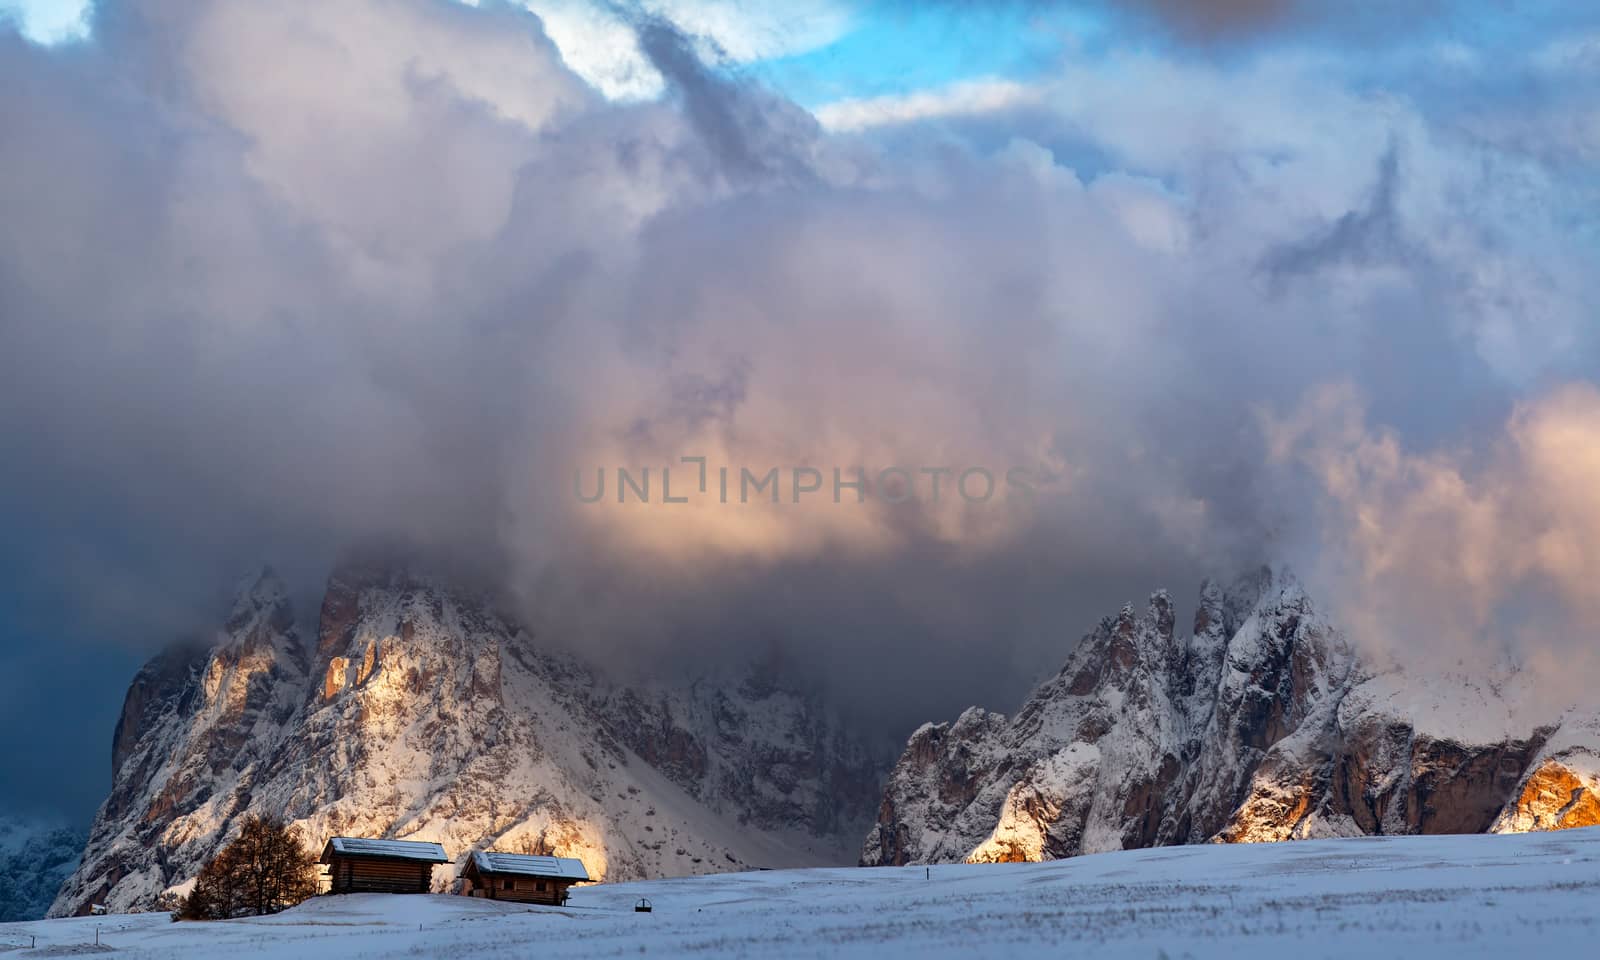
{"x":1211,"y":18}
{"x":276,"y":279}
{"x":1216,"y":25}
{"x":1366,"y":236}
{"x":1375,"y":24}
{"x":753,"y":135}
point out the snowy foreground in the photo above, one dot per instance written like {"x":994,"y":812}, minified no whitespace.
{"x":1410,"y":896}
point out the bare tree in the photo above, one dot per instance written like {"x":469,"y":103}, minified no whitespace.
{"x":263,"y":870}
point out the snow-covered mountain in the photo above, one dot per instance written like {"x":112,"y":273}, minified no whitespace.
{"x":34,"y":858}
{"x":1262,"y":724}
{"x":417,"y":711}
{"x":414,"y":709}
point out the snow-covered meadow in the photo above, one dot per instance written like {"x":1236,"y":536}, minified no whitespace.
{"x":1416,"y":897}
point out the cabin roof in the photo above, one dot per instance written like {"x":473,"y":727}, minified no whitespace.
{"x":389,"y":849}
{"x":524,"y":865}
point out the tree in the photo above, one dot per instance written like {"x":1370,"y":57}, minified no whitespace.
{"x":265,"y":869}
{"x":213,"y":896}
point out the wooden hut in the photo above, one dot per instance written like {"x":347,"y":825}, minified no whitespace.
{"x":359,"y":865}
{"x":520,"y":877}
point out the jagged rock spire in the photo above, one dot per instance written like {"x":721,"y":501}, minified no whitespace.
{"x":1257,"y":726}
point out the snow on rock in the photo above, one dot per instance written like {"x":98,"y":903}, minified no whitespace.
{"x":1399,"y":754}
{"x":1260,"y":726}
{"x":417,"y":712}
{"x":35,"y":857}
{"x":1561,"y":789}
{"x":1032,"y":820}
{"x":1142,"y":739}
{"x":1075,"y":770}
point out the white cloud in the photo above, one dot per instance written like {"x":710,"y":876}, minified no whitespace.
{"x":964,"y":98}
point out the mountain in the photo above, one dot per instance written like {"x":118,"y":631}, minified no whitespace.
{"x":414,"y":709}
{"x":34,"y":858}
{"x":417,"y":711}
{"x":1261,"y":724}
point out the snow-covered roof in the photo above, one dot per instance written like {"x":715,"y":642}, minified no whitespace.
{"x":398,"y":849}
{"x":523,"y":865}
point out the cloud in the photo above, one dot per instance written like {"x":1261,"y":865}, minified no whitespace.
{"x":48,"y":21}
{"x":1363,"y":236}
{"x":1371,"y":30}
{"x":1468,"y":557}
{"x":754,"y":135}
{"x":1214,"y":17}
{"x":279,"y":278}
{"x":958,"y":99}
{"x":598,"y":41}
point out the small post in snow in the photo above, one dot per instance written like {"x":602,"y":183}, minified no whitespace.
{"x":929,"y":873}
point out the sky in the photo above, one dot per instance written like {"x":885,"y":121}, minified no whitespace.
{"x":1231,"y":281}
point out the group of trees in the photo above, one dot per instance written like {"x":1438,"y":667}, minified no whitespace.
{"x":264,"y":870}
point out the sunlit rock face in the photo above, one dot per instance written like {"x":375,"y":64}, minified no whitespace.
{"x":1562,"y":786}
{"x":1555,"y":797}
{"x":414,"y":710}
{"x":1261,"y":725}
{"x":1399,"y":755}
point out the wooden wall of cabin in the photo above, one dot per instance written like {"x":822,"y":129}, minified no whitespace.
{"x":378,"y":875}
{"x":521,"y":889}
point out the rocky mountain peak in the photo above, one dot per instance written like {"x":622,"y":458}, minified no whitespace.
{"x":1260,"y":725}
{"x":421,"y":712}
{"x":260,"y":598}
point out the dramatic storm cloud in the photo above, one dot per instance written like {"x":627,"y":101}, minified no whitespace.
{"x":279,"y":279}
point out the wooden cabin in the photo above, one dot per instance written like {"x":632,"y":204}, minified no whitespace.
{"x":520,"y":877}
{"x":359,"y":865}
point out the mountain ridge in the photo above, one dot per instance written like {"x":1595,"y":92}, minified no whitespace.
{"x":414,"y":709}
{"x":1262,"y":724}
{"x":417,"y":711}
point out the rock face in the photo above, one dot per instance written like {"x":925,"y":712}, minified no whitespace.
{"x":1259,"y":725}
{"x":416,"y":711}
{"x":1561,"y":788}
